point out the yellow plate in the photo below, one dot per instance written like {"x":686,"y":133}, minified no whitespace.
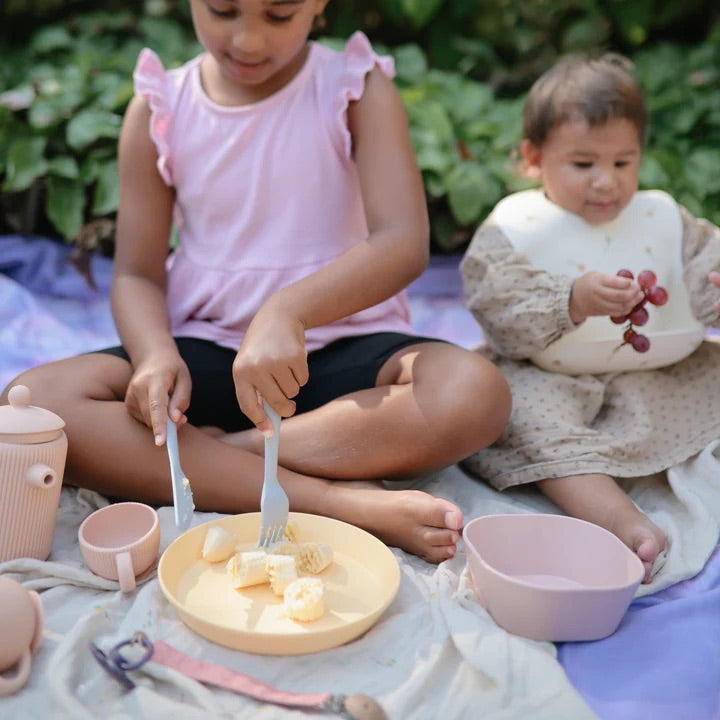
{"x":360,"y":584}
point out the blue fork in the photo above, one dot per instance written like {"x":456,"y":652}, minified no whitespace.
{"x":274,"y":504}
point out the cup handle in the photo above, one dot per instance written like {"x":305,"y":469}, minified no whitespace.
{"x":9,"y":685}
{"x":126,"y":574}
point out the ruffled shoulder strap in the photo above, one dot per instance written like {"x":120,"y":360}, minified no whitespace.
{"x":150,"y":81}
{"x":359,"y":60}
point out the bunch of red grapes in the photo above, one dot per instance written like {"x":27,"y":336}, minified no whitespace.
{"x":638,"y":316}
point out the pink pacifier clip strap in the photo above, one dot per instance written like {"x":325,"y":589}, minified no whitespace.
{"x":224,"y":677}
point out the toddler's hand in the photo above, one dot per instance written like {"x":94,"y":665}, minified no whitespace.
{"x":271,"y":364}
{"x":714,"y":278}
{"x":598,"y":293}
{"x":160,"y":385}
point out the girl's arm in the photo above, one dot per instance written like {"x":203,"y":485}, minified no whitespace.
{"x":272,"y":357}
{"x":138,"y":288}
{"x":396,"y":250}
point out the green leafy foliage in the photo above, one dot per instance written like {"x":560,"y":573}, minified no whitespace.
{"x":463,"y":69}
{"x":63,"y":97}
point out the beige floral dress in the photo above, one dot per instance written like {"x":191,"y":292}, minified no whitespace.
{"x":582,"y":402}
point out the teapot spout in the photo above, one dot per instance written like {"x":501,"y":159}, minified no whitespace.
{"x":41,"y":476}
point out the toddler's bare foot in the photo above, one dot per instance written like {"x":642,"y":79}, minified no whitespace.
{"x":412,"y":520}
{"x":642,"y":536}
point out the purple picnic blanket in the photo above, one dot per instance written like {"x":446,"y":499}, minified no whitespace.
{"x":664,"y":660}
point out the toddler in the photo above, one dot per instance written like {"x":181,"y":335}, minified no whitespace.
{"x":288,"y":171}
{"x":540,"y":276}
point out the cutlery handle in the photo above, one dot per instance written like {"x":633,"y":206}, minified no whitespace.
{"x":171,"y":440}
{"x":271,"y":444}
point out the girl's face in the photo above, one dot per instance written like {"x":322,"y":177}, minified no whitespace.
{"x":591,"y":171}
{"x":256,"y":46}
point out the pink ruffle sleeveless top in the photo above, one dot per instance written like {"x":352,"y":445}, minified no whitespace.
{"x":265,"y":193}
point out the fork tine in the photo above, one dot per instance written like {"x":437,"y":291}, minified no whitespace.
{"x":270,"y":535}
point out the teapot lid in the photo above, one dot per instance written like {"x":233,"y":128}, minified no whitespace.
{"x":20,"y":418}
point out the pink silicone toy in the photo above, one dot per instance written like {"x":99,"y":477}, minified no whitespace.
{"x":21,"y":622}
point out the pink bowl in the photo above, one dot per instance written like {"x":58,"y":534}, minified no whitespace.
{"x":551,"y":577}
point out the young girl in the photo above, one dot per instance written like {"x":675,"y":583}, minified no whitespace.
{"x":541,"y":278}
{"x":288,"y":171}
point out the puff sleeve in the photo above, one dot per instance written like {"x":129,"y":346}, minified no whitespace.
{"x":151,"y":83}
{"x":520,"y":307}
{"x":701,"y":254}
{"x":359,"y":60}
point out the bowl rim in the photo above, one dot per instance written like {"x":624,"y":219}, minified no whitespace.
{"x":470,"y":548}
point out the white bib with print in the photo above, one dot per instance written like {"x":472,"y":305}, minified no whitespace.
{"x":647,"y":235}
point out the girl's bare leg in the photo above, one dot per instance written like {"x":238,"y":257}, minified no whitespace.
{"x":439,"y":416}
{"x":433,"y":405}
{"x":600,"y":500}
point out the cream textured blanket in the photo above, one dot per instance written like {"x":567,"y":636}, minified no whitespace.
{"x":434,"y":653}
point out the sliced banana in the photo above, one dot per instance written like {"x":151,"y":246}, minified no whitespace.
{"x":284,"y":547}
{"x":314,"y":557}
{"x":219,"y":544}
{"x":282,"y":571}
{"x":290,"y":531}
{"x":248,"y":568}
{"x":303,"y":599}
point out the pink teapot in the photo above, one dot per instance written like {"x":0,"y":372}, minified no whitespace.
{"x":33,"y":448}
{"x":21,"y":624}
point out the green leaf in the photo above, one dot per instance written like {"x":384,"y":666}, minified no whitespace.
{"x":25,"y":162}
{"x":652,"y":174}
{"x":107,"y":190}
{"x":431,"y":157}
{"x":44,"y":114}
{"x":410,"y":63}
{"x":53,"y":37}
{"x":701,"y":171}
{"x":432,"y":118}
{"x":419,"y":12}
{"x":90,"y":125}
{"x":63,"y":166}
{"x":65,"y":206}
{"x":471,"y":189}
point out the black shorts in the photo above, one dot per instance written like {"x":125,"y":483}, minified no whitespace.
{"x":342,"y":367}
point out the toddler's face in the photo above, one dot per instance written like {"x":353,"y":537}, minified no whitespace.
{"x":591,"y":171}
{"x":256,"y":45}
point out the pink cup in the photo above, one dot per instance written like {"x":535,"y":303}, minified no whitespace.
{"x":120,"y":542}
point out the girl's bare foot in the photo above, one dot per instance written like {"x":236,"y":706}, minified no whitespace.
{"x":412,"y":520}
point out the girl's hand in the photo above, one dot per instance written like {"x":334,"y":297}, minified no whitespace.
{"x":714,"y":278}
{"x":598,"y":293}
{"x":160,"y":385}
{"x":271,"y":364}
